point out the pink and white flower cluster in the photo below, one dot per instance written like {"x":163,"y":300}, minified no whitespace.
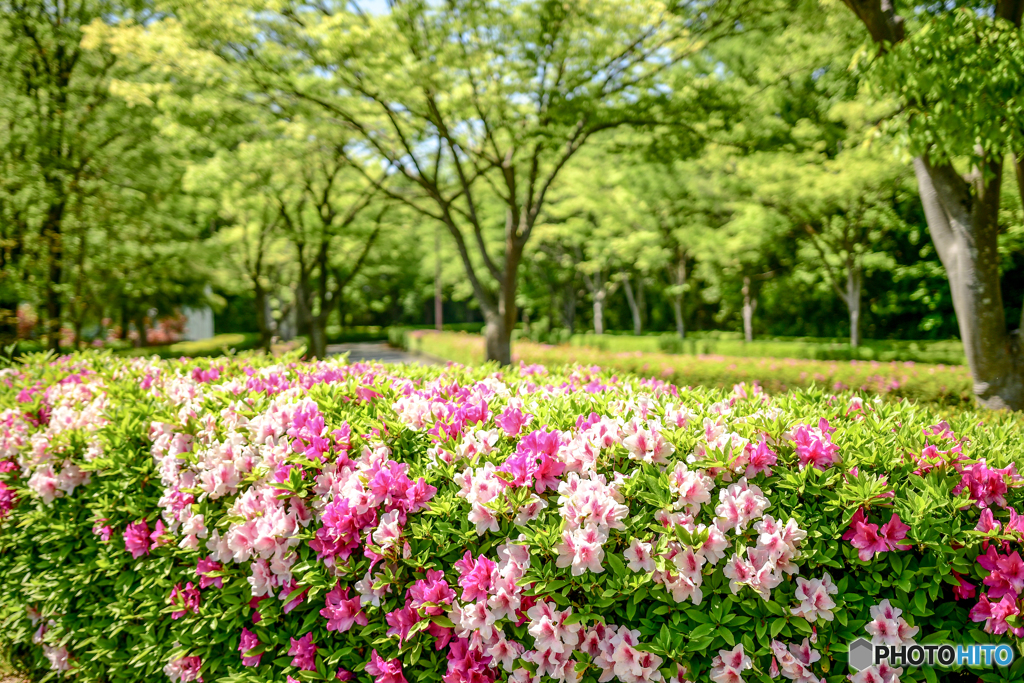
{"x":339,"y":497}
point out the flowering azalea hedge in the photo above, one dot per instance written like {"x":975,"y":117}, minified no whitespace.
{"x":252,"y":519}
{"x":948,"y":385}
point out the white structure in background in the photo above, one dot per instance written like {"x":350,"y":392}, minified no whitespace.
{"x":198,"y":323}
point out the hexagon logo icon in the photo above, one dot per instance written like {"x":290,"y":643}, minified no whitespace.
{"x":859,"y":656}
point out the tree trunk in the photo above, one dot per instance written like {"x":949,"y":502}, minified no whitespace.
{"x":634,"y":309}
{"x":962,"y":215}
{"x":318,"y":337}
{"x":142,"y":337}
{"x":342,"y":317}
{"x":965,"y":230}
{"x":599,"y":296}
{"x":438,"y":288}
{"x":501,"y":320}
{"x":749,"y":306}
{"x":569,"y":307}
{"x":641,"y":300}
{"x":599,"y":292}
{"x":854,"y":281}
{"x":498,"y":340}
{"x":262,"y":319}
{"x":8,"y":320}
{"x":125,"y":321}
{"x":54,"y":273}
{"x":677,"y":298}
{"x":303,"y":314}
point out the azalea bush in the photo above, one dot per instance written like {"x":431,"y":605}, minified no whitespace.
{"x":932,"y":383}
{"x":260,"y":519}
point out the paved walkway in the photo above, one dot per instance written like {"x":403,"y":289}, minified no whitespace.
{"x":378,"y":351}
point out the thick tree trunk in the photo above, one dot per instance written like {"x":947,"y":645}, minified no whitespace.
{"x":749,"y":306}
{"x":500,"y":321}
{"x":318,"y":337}
{"x":964,"y":227}
{"x":962,"y":216}
{"x":854,"y":283}
{"x":498,"y":340}
{"x":634,"y":308}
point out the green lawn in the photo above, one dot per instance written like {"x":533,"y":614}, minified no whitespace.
{"x":947,"y":352}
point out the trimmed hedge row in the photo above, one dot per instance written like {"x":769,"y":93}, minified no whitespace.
{"x":941,"y":384}
{"x":259,"y":519}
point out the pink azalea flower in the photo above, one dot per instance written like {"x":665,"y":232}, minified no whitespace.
{"x":475,"y":576}
{"x":582,"y":550}
{"x":987,"y":523}
{"x":728,"y":665}
{"x":205,"y":566}
{"x":513,"y":418}
{"x":58,"y":657}
{"x":638,"y":554}
{"x":858,"y":517}
{"x":741,"y":503}
{"x":384,"y":670}
{"x":433,"y":590}
{"x":994,"y":614}
{"x":303,"y":653}
{"x":965,"y":590}
{"x":887,"y":627}
{"x":341,"y":611}
{"x":158,"y":536}
{"x":184,"y":670}
{"x":795,"y":661}
{"x":401,"y":621}
{"x":104,"y":531}
{"x":883,"y":673}
{"x":814,"y":446}
{"x":8,"y":500}
{"x":814,"y":597}
{"x":985,"y":485}
{"x":869,"y":539}
{"x":249,"y":642}
{"x":389,"y":531}
{"x":761,"y":459}
{"x":692,"y":488}
{"x":136,"y":539}
{"x":894,"y":531}
{"x":1007,"y":577}
{"x":187,"y":598}
{"x":467,"y":664}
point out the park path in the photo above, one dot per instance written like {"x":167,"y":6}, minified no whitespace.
{"x":378,"y":351}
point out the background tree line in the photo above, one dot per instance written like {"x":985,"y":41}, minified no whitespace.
{"x":797,"y":168}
